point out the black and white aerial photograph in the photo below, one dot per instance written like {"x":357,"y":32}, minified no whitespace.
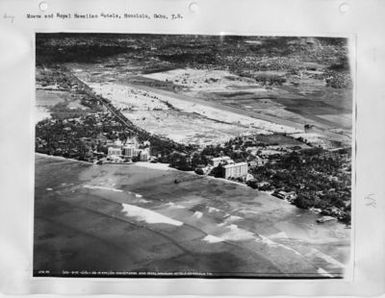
{"x":192,"y":156}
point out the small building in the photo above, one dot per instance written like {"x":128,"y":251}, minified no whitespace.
{"x":236,"y":170}
{"x":114,"y":159}
{"x":132,"y":141}
{"x":260,"y":161}
{"x":216,"y":161}
{"x":202,"y":169}
{"x":146,"y":144}
{"x":283,"y":195}
{"x":137,"y":152}
{"x":144,"y":155}
{"x":114,"y":151}
{"x":118,"y":143}
{"x":326,"y":218}
{"x":249,"y":177}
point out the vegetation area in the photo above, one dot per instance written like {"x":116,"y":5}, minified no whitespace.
{"x":241,"y":55}
{"x":84,"y":133}
{"x":85,"y":137}
{"x":321,"y":179}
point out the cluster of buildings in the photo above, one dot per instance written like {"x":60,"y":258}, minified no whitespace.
{"x":230,"y":169}
{"x":131,"y":150}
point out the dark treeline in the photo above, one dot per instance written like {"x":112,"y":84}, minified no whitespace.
{"x":320,"y":179}
{"x":184,"y":50}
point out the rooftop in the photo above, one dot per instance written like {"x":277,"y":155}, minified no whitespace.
{"x":235,"y":165}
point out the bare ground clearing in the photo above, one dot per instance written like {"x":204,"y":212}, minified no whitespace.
{"x":221,"y":102}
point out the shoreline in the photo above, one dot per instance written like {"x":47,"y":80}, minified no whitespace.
{"x":166,"y":167}
{"x":62,"y":158}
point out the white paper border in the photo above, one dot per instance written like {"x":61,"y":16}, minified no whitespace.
{"x":307,"y":18}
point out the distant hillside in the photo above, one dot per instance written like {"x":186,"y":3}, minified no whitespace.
{"x":186,"y":49}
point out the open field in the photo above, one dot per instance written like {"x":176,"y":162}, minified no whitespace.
{"x":177,"y":116}
{"x":135,"y":218}
{"x":206,"y":80}
{"x":220,"y":95}
{"x":309,"y":102}
{"x":44,"y":101}
{"x":53,"y":99}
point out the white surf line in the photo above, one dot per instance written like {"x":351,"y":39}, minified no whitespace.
{"x":62,"y":158}
{"x":326,"y":258}
{"x":155,"y":166}
{"x":320,"y":270}
{"x":102,"y":188}
{"x":249,"y":212}
{"x":148,"y":216}
{"x":227,"y":181}
{"x":197,"y":214}
{"x":272,"y":243}
{"x":173,"y":205}
{"x":278,"y":235}
{"x":232,"y":218}
{"x":231,"y":233}
{"x":143,"y":201}
{"x":212,"y":209}
{"x":234,"y":233}
{"x":314,"y":251}
{"x":213,"y":239}
{"x":324,"y":272}
{"x":237,"y":234}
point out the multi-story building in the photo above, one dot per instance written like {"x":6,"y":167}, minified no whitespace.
{"x":237,"y":170}
{"x":129,"y":151}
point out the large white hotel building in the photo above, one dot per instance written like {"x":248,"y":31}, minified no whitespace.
{"x":236,"y":170}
